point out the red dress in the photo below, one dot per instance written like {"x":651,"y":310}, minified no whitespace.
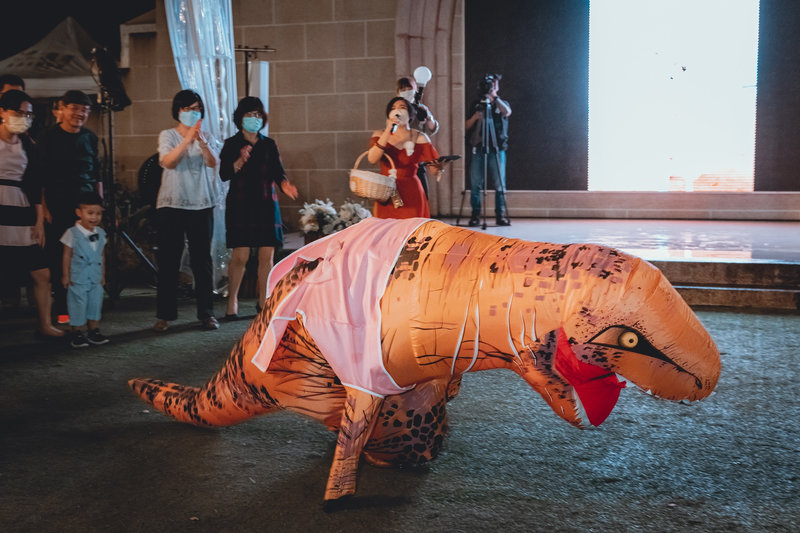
{"x":408,"y":185}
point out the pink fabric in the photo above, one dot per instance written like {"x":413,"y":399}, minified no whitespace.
{"x":340,"y":300}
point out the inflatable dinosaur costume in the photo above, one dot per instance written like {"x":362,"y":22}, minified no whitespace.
{"x":370,"y":329}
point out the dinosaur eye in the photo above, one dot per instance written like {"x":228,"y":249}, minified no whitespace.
{"x":621,"y":337}
{"x":628,"y":339}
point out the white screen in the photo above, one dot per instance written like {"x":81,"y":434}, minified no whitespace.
{"x":672,"y":94}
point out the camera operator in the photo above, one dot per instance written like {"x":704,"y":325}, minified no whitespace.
{"x":423,"y":120}
{"x":491,"y":151}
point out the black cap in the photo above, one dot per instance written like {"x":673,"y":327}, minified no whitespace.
{"x":76,"y":97}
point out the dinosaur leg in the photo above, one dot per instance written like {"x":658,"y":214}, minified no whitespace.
{"x":300,"y":379}
{"x":411,"y":427}
{"x":358,"y":419}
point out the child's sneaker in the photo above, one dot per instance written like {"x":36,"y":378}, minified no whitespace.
{"x":79,"y":340}
{"x":96,"y":338}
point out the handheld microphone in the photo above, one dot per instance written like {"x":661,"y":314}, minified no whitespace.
{"x":394,"y":126}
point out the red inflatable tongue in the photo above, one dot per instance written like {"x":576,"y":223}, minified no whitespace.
{"x":597,"y":388}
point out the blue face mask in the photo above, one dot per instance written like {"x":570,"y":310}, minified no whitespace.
{"x":189,"y":118}
{"x":252,"y":124}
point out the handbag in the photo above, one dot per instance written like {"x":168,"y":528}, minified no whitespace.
{"x":368,"y":184}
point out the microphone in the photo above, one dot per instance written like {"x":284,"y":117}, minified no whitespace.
{"x":394,"y":126}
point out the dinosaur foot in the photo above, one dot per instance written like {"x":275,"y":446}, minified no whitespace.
{"x":339,"y":504}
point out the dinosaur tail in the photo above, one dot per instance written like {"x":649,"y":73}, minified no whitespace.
{"x":223,"y":401}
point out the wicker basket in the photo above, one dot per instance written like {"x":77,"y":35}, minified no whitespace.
{"x":368,"y":184}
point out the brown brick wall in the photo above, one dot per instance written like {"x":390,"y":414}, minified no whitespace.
{"x":330,"y":79}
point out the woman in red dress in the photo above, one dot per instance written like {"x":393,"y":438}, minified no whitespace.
{"x":407,"y":148}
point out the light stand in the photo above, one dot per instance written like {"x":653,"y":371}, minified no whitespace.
{"x":112,"y":98}
{"x":422,"y":75}
{"x":249,"y":53}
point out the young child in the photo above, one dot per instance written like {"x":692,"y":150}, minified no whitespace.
{"x":84,"y":272}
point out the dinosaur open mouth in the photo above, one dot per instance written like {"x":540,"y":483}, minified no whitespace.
{"x":597,"y":388}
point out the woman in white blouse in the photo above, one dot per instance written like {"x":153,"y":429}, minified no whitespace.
{"x":185,"y":210}
{"x":21,"y":213}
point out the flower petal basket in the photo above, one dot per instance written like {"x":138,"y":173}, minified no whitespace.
{"x":368,"y":184}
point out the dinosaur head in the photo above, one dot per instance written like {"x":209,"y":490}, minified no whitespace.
{"x":643,"y":330}
{"x":619,"y":317}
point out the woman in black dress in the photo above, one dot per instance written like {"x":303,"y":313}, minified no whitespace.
{"x":253,"y":165}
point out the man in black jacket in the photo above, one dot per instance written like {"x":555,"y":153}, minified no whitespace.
{"x":70,"y":167}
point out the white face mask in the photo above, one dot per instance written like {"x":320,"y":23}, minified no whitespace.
{"x":17,"y":125}
{"x":400,"y":116}
{"x":408,"y":95}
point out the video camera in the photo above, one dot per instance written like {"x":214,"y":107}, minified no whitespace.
{"x":487,"y":82}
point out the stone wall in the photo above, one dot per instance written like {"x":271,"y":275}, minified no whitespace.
{"x":332,"y":74}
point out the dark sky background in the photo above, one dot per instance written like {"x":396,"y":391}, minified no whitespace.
{"x":26,"y":22}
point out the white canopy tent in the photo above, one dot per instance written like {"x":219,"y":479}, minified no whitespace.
{"x":61,"y":61}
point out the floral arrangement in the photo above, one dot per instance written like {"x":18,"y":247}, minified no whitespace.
{"x":321,"y":218}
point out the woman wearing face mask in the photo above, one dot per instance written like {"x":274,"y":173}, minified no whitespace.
{"x":185,"y":210}
{"x":22,"y":226}
{"x":407,"y":147}
{"x":253,"y":165}
{"x":423,"y":120}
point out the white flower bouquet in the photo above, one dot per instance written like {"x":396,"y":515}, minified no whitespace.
{"x":321,"y":218}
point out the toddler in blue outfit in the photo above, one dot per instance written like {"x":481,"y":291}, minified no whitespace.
{"x":84,"y":272}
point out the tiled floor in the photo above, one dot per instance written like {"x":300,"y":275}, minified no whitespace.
{"x":685,"y":240}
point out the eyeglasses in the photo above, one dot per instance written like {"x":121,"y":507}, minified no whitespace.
{"x":253,"y":114}
{"x":23,"y":114}
{"x":195,"y":107}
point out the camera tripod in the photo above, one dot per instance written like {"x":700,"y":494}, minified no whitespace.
{"x":489,"y":146}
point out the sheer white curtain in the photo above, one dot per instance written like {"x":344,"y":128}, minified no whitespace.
{"x":201,"y":33}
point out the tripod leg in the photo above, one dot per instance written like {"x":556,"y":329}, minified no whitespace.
{"x":139,"y":252}
{"x":461,"y":208}
{"x":501,"y":205}
{"x":485,"y":186}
